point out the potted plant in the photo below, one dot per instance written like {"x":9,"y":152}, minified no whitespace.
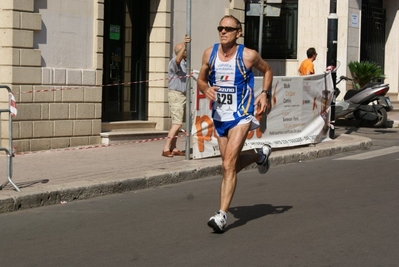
{"x":365,"y":72}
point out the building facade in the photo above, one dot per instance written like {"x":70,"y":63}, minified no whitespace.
{"x":74,"y":65}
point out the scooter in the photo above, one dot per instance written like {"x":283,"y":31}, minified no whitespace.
{"x":367,"y":105}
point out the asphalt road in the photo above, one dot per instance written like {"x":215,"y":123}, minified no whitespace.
{"x":334,"y":211}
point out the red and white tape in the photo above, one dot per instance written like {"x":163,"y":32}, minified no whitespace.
{"x":66,"y":88}
{"x":13,"y":105}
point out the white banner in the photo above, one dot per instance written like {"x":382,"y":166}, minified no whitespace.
{"x":299,"y":114}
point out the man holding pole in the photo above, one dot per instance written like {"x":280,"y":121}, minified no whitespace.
{"x":176,"y":96}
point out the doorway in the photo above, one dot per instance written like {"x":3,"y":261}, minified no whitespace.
{"x":125,"y":63}
{"x":373,"y":32}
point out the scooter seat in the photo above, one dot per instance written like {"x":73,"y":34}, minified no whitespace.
{"x":381,"y":85}
{"x":351,"y":93}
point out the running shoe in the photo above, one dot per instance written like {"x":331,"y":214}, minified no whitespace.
{"x":265,"y":151}
{"x":218,"y":222}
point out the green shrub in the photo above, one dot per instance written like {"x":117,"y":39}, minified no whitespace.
{"x":365,"y":72}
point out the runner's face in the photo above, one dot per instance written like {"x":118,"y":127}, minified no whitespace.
{"x":228,"y":36}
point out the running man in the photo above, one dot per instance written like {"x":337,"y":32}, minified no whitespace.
{"x":226,"y":79}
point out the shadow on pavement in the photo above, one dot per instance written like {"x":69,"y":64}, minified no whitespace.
{"x":357,"y":124}
{"x":353,"y":129}
{"x":245,"y":214}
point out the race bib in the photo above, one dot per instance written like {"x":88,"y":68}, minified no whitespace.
{"x":226,"y":98}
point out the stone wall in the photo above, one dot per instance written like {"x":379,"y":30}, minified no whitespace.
{"x":59,"y":102}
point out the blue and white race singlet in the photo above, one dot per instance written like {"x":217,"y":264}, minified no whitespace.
{"x":235,"y":97}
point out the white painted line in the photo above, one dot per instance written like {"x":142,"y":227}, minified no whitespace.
{"x":372,"y":154}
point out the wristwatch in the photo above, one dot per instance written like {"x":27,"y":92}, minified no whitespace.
{"x":267,"y":93}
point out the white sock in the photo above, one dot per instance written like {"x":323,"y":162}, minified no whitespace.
{"x":223,"y":213}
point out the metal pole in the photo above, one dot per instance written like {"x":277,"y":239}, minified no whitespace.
{"x":188,"y":84}
{"x":10,"y":150}
{"x":332,"y":43}
{"x":260,"y":28}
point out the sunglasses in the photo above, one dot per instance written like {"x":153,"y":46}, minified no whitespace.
{"x":227,"y":29}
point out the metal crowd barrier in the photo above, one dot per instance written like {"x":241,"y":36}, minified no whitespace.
{"x":9,"y":151}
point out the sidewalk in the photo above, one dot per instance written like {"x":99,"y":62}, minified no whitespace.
{"x":54,"y":177}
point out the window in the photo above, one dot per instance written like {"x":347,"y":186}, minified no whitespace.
{"x":279,"y":38}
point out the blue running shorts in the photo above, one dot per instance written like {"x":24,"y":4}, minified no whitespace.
{"x":223,"y":127}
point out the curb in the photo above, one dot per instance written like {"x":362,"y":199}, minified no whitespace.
{"x":191,"y":170}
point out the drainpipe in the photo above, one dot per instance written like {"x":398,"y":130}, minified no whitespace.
{"x":332,"y":42}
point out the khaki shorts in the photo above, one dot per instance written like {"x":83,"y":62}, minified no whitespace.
{"x":177,"y":103}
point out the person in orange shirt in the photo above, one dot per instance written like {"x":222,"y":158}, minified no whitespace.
{"x":307,"y":66}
